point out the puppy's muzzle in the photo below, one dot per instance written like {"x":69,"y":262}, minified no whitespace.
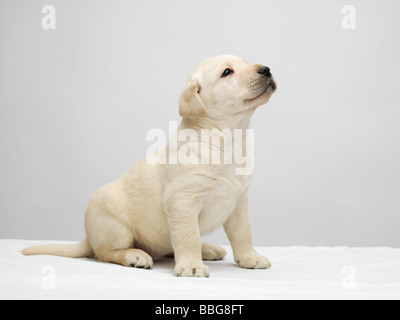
{"x":265,"y":71}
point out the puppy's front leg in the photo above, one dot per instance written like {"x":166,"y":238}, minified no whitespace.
{"x":186,"y":241}
{"x":237,"y":227}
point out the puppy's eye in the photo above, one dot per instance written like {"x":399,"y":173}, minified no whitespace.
{"x":226,"y":73}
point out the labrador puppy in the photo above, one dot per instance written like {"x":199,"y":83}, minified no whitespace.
{"x":163,"y":208}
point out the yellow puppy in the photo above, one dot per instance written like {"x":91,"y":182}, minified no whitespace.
{"x":159,"y":208}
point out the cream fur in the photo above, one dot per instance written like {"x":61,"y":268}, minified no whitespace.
{"x":161,"y":209}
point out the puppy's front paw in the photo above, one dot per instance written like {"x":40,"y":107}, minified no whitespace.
{"x":253,"y":261}
{"x":198,"y":270}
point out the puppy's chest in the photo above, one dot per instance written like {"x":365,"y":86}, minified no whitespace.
{"x":230,"y":180}
{"x":221,"y":202}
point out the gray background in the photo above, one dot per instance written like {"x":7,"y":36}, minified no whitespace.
{"x":76,"y":104}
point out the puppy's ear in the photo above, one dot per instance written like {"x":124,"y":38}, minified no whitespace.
{"x":190,"y":104}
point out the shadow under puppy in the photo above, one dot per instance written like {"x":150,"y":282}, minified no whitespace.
{"x":161,"y":208}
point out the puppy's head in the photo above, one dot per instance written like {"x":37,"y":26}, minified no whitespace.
{"x":224,"y":86}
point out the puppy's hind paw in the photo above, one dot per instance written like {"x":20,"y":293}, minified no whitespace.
{"x":212,"y":252}
{"x":254,"y":261}
{"x":139,"y":259}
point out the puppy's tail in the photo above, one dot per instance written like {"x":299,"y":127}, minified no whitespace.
{"x":78,"y":250}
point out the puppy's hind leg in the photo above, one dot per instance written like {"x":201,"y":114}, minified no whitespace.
{"x":127,"y":257}
{"x":112,"y":241}
{"x":209,"y":252}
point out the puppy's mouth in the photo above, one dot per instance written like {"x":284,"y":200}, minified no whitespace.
{"x":272,"y":84}
{"x":266,"y":88}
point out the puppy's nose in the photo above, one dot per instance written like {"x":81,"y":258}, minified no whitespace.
{"x":265,"y":71}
